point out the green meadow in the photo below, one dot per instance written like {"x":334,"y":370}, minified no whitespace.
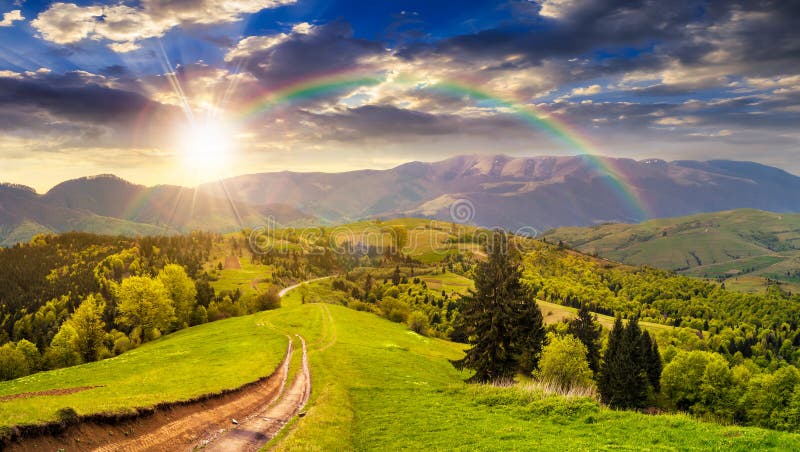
{"x":204,"y":359}
{"x":376,"y":386}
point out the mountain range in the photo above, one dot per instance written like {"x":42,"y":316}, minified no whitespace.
{"x":511,"y":192}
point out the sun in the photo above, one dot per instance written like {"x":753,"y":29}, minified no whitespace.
{"x":206,"y":149}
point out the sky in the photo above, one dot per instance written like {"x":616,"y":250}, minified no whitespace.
{"x":185,"y":91}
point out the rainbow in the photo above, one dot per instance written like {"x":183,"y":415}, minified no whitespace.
{"x":556,"y":128}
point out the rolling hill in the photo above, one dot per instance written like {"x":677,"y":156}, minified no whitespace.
{"x":542,"y":192}
{"x":493,"y":190}
{"x":106,"y":204}
{"x":724,"y":244}
{"x":375,"y":386}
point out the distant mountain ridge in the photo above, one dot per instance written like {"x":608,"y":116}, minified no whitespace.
{"x":490,"y":190}
{"x":542,"y":192}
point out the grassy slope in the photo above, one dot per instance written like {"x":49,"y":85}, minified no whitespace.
{"x":427,"y":239}
{"x":199,"y":360}
{"x":378,"y":386}
{"x":725,"y":243}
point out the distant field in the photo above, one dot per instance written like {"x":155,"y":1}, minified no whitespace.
{"x":249,"y":278}
{"x":428,"y":240}
{"x":554,"y":313}
{"x":204,"y":359}
{"x":724,"y":244}
{"x":449,"y":282}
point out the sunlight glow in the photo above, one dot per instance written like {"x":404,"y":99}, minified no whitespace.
{"x":207,"y":149}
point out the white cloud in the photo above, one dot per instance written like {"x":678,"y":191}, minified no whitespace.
{"x":65,"y":23}
{"x":125,"y":26}
{"x":559,"y":9}
{"x":10,"y":17}
{"x":587,"y":91}
{"x":252,"y":44}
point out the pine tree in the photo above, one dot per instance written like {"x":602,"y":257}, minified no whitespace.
{"x":638,"y":383}
{"x":506,"y":332}
{"x":586,"y":328}
{"x":622,"y":380}
{"x":652,"y":361}
{"x":529,"y":335}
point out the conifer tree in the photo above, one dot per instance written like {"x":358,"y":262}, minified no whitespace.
{"x":652,"y":361}
{"x":506,"y":332}
{"x":622,"y":380}
{"x":586,"y":328}
{"x":638,"y":383}
{"x":529,"y":335}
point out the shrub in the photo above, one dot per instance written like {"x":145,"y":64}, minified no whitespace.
{"x":394,"y":309}
{"x":12,"y":363}
{"x":418,"y":323}
{"x":564,"y":363}
{"x":268,"y":300}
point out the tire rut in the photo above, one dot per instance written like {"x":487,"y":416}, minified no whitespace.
{"x":186,"y":432}
{"x":258,"y":429}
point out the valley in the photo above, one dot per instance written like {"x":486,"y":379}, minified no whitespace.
{"x":744,"y":248}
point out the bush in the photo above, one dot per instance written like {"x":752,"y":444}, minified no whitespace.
{"x":12,"y":363}
{"x":361,"y":306}
{"x":67,"y":416}
{"x":394,"y":309}
{"x":122,"y":345}
{"x":418,"y":323}
{"x":267,"y":300}
{"x":564,"y":363}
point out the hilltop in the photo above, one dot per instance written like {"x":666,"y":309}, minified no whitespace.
{"x":489,"y":191}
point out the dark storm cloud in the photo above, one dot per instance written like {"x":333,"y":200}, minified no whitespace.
{"x":78,"y":110}
{"x":374,"y":121}
{"x":69,"y":98}
{"x":324,"y":48}
{"x":761,"y":35}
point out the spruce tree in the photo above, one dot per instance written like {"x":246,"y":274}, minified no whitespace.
{"x":651,"y":361}
{"x":529,"y":335}
{"x":503,"y":341}
{"x":622,"y":380}
{"x":586,"y":328}
{"x":638,"y":383}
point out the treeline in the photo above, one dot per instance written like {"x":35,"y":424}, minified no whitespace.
{"x":109,"y":295}
{"x":402,"y":296}
{"x":52,"y":267}
{"x":761,"y":327}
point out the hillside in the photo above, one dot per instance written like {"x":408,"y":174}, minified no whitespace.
{"x":368,"y":373}
{"x":492,"y":190}
{"x":512,"y":192}
{"x":728,"y":244}
{"x":109,"y":205}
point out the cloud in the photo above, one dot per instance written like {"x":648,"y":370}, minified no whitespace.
{"x":587,"y":91}
{"x":10,"y":17}
{"x":304,"y":51}
{"x":125,"y":26}
{"x":83,"y":108}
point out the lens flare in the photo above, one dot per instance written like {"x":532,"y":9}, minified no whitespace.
{"x":206,"y":149}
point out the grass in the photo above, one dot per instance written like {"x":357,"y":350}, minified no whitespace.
{"x":554,"y":313}
{"x":743,"y":242}
{"x":200,"y":360}
{"x":378,"y":386}
{"x":250,"y":278}
{"x":449,"y":282}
